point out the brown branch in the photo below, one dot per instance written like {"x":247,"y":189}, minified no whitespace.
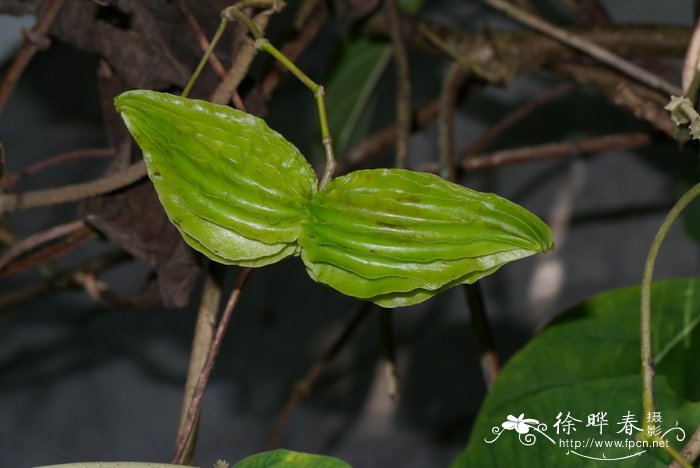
{"x":35,"y":240}
{"x":70,"y":193}
{"x":203,"y":43}
{"x":450,"y":87}
{"x":77,"y":239}
{"x":643,"y":103}
{"x":691,"y":66}
{"x":490,"y":364}
{"x":201,"y":38}
{"x":34,"y":40}
{"x":590,"y":48}
{"x":203,"y":337}
{"x":103,"y":294}
{"x":386,"y":327}
{"x":621,"y":141}
{"x":60,"y":280}
{"x":303,"y":387}
{"x":403,"y":85}
{"x":691,"y":450}
{"x":515,"y":116}
{"x":500,"y":56}
{"x":477,"y":308}
{"x":241,"y":64}
{"x":12,"y":179}
{"x":195,"y":406}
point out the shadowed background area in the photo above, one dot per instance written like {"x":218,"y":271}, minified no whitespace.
{"x":80,"y":380}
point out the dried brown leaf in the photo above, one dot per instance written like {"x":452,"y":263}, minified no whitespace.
{"x":134,"y":219}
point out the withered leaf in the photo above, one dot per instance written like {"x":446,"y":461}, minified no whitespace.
{"x":134,"y":219}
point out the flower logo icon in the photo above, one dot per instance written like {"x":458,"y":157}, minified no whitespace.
{"x":520,"y":424}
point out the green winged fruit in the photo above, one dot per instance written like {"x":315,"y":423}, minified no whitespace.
{"x":235,"y":189}
{"x":241,"y":194}
{"x":397,"y":237}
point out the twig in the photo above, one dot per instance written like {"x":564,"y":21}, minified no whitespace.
{"x":642,"y":102}
{"x":234,"y":13}
{"x":70,"y":193}
{"x":403,"y":85}
{"x":303,"y":387}
{"x":102,"y":293}
{"x":448,"y":97}
{"x":201,"y":38}
{"x":386,"y":326}
{"x":77,"y":239}
{"x":489,"y":358}
{"x":195,"y":407}
{"x":201,"y":343}
{"x":577,"y":42}
{"x":516,"y":116}
{"x":12,"y":179}
{"x":60,"y":280}
{"x":691,"y":450}
{"x":35,"y":240}
{"x":238,"y":70}
{"x":34,"y":40}
{"x":490,"y":364}
{"x":556,"y":150}
{"x":691,"y":66}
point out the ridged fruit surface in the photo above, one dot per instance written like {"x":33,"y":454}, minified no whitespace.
{"x":397,"y":237}
{"x":236,"y":190}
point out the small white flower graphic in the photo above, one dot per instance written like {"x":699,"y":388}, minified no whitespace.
{"x":521,"y":425}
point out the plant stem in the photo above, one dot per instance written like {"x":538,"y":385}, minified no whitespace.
{"x":35,"y":240}
{"x":16,"y":201}
{"x":583,"y":45}
{"x":195,"y":406}
{"x":205,"y":57}
{"x":645,"y":312}
{"x":264,"y":44}
{"x":403,"y":85}
{"x":691,"y":450}
{"x":386,"y":326}
{"x":203,"y":337}
{"x":490,"y":365}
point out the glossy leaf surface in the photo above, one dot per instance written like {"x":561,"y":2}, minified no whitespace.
{"x":286,"y":458}
{"x":398,"y":237}
{"x":588,"y":361}
{"x":236,"y":190}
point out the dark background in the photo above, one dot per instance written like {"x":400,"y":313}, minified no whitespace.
{"x":82,"y":382}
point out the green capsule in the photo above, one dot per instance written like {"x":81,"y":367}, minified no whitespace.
{"x":397,"y":237}
{"x":236,"y":190}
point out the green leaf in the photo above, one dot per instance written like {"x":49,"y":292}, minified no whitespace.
{"x":397,"y":237}
{"x":350,"y":86}
{"x":235,"y":189}
{"x":286,"y":458}
{"x":588,"y":361}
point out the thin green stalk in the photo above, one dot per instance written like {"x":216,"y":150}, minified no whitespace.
{"x":205,"y":57}
{"x":234,"y":13}
{"x":645,"y":313}
{"x":264,"y":44}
